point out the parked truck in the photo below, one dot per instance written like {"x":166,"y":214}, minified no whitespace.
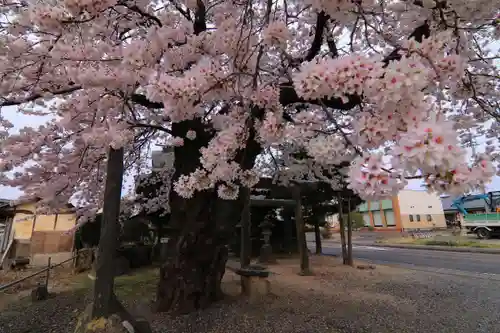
{"x":484,"y":225}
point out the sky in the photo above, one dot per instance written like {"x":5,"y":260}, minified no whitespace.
{"x":21,"y":121}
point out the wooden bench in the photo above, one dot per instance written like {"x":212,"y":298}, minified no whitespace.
{"x":254,"y":281}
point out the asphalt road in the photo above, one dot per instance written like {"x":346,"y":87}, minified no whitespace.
{"x":476,"y":263}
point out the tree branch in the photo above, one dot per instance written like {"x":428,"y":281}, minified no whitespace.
{"x":143,"y":101}
{"x":144,"y":14}
{"x":200,"y":23}
{"x":289,"y":96}
{"x":151,"y":126}
{"x":321,"y":21}
{"x":31,"y":98}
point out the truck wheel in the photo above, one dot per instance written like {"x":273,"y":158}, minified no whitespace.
{"x":483,"y":233}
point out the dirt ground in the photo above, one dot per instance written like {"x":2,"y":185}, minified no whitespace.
{"x":336,"y":299}
{"x":57,"y":276}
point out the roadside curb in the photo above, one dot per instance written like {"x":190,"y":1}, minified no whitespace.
{"x":427,"y":247}
{"x":441,"y":248}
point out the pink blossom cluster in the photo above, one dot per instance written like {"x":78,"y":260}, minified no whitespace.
{"x":432,"y":147}
{"x":329,"y":149}
{"x":306,"y":126}
{"x":375,"y":129}
{"x":276,"y":33}
{"x":463,"y":178}
{"x":400,"y":80}
{"x":369,"y":177}
{"x":223,"y":146}
{"x":226,"y":77}
{"x":439,"y":53}
{"x":182,"y":92}
{"x":266,"y":97}
{"x":271,"y":129}
{"x":335,"y":77}
{"x":114,"y":135}
{"x":224,"y":177}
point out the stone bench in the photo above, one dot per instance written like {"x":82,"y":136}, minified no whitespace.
{"x":254,"y":281}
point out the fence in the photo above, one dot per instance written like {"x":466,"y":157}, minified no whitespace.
{"x":44,"y":270}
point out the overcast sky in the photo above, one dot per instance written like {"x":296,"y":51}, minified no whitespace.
{"x":21,"y":121}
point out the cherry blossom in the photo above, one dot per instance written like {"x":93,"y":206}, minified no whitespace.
{"x":276,"y":33}
{"x":393,"y":87}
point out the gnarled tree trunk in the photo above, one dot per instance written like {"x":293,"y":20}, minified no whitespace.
{"x":197,"y":252}
{"x":200,"y":231}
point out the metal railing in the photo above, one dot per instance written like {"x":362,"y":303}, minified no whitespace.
{"x":46,"y":269}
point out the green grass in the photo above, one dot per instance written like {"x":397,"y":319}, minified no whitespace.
{"x":141,"y":284}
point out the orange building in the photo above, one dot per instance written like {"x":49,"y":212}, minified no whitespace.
{"x":409,"y":210}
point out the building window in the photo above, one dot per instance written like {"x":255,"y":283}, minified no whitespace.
{"x":366,"y":220}
{"x":418,"y":218}
{"x":377,"y":219}
{"x":429,"y":206}
{"x":389,"y":218}
{"x":411,"y":218}
{"x":429,"y":218}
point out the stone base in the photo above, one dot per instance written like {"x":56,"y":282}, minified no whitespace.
{"x":254,"y":282}
{"x":255,"y":287}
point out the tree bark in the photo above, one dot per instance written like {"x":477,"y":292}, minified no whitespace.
{"x":350,"y":260}
{"x":342,"y":233}
{"x":200,"y":230}
{"x":191,"y":275}
{"x":108,"y":242}
{"x":246,"y":227}
{"x":317,"y":237}
{"x":301,"y":236}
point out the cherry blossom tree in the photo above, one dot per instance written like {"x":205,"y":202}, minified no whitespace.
{"x":384,"y":89}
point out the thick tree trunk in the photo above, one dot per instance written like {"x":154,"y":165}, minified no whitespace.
{"x":246,"y":230}
{"x":200,"y":230}
{"x":108,"y":243}
{"x":317,"y":237}
{"x":342,"y":233}
{"x":350,"y":260}
{"x":301,"y":236}
{"x":288,"y":243}
{"x":197,"y":253}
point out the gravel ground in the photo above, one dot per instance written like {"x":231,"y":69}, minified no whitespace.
{"x":336,"y":299}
